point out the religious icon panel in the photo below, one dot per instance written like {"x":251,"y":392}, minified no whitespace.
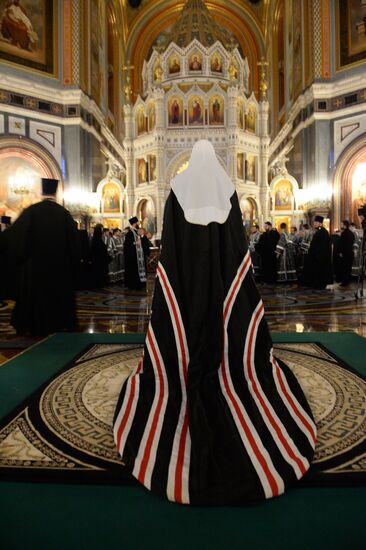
{"x":140,"y":122}
{"x":195,"y":110}
{"x":146,"y":213}
{"x":111,"y":198}
{"x":151,"y":116}
{"x":283,"y":195}
{"x":195,"y":62}
{"x":250,"y":119}
{"x":248,"y":212}
{"x":174,"y":64}
{"x":250,"y":168}
{"x":141,"y":171}
{"x":216,"y":110}
{"x":240,"y":166}
{"x":175,"y":111}
{"x":152,"y":168}
{"x":240,"y":113}
{"x":216,"y":63}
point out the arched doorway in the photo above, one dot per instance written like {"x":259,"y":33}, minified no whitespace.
{"x":22,"y":168}
{"x":350,"y":183}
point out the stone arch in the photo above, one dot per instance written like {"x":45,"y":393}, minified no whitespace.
{"x":27,"y":156}
{"x":344,"y":199}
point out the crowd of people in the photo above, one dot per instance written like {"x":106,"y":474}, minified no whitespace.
{"x":44,"y":258}
{"x":113,"y":256}
{"x":309,"y":256}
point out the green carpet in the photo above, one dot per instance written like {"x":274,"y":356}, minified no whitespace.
{"x":51,"y":516}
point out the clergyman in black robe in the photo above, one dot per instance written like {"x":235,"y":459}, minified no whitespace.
{"x":345,"y":254}
{"x":135,"y":269}
{"x":209,"y":416}
{"x":266,"y":247}
{"x":99,"y":258}
{"x":43,"y":244}
{"x":318,"y":263}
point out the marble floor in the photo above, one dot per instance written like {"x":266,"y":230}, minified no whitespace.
{"x":288,"y":309}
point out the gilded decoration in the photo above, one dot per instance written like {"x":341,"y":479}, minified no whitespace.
{"x":154,"y":30}
{"x":197,"y":90}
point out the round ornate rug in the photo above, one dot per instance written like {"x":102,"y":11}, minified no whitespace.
{"x":64,"y":431}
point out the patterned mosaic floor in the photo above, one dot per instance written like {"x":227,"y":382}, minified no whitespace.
{"x":65,"y":430}
{"x":288,"y":309}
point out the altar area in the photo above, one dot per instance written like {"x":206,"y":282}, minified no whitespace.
{"x":196,"y":84}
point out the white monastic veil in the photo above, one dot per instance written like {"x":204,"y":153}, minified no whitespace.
{"x":204,"y":189}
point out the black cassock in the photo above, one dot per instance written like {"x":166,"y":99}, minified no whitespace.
{"x":318,"y":263}
{"x":135,"y":271}
{"x":266,"y":247}
{"x":43,"y":245}
{"x":209,"y":416}
{"x":345,"y":256}
{"x":100,"y":259}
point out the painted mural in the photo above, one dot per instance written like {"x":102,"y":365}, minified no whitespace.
{"x":28,"y":34}
{"x":195,"y":110}
{"x":140,"y":121}
{"x":240,"y":113}
{"x":151,"y":113}
{"x":111,"y":198}
{"x":250,"y":119}
{"x":216,"y":110}
{"x":283,"y":195}
{"x":175,"y":111}
{"x":152,"y":168}
{"x":18,"y":172}
{"x":351,"y":29}
{"x":195,"y":62}
{"x":297,"y":53}
{"x":174,"y":64}
{"x":240,"y":166}
{"x":250,"y":168}
{"x":98,"y":74}
{"x":216,"y":63}
{"x":141,"y":171}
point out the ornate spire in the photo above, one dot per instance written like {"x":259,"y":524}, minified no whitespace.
{"x":195,"y":21}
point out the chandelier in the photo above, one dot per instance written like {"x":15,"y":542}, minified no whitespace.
{"x":20,"y":185}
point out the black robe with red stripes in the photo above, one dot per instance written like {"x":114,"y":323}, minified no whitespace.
{"x":209,"y":416}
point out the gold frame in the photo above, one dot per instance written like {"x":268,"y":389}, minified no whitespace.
{"x":55,"y":73}
{"x":339,"y":68}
